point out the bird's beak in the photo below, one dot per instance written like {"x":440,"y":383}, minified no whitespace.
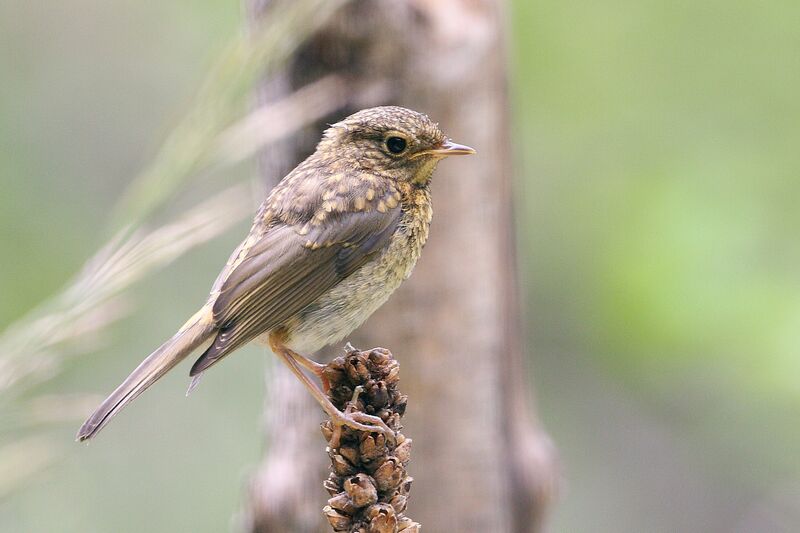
{"x":449,"y":148}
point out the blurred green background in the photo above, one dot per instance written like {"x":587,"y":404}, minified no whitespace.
{"x":658,"y":172}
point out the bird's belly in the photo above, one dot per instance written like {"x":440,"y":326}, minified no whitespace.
{"x":354,"y":299}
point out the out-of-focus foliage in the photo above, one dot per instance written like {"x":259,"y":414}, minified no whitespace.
{"x":657,"y":187}
{"x":658,"y":143}
{"x":222,"y":98}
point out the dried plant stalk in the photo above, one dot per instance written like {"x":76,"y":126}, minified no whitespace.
{"x":368,"y":482}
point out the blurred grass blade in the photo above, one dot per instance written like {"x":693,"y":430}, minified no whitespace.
{"x":33,"y":348}
{"x":221,"y":99}
{"x":20,"y":460}
{"x":45,"y":410}
{"x":276,"y":121}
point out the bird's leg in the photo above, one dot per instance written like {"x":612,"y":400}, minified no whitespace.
{"x":356,"y":420}
{"x":312,"y":366}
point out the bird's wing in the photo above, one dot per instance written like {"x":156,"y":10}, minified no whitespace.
{"x":289,"y":267}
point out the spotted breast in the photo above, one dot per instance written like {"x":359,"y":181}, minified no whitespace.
{"x":354,"y":299}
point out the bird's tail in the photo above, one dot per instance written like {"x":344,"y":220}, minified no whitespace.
{"x":199,"y":330}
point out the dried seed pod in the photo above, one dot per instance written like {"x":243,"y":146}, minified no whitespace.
{"x":337,"y":363}
{"x":348,"y":349}
{"x":405,"y":486}
{"x":393,"y":375}
{"x":334,"y":375}
{"x":400,"y":404}
{"x":342,"y":503}
{"x":382,"y":519}
{"x":350,"y":453}
{"x":389,"y":474}
{"x":403,"y":451}
{"x":361,"y":490}
{"x":340,"y":395}
{"x":356,"y":367}
{"x":372,"y":446}
{"x":368,"y":483}
{"x":399,"y":503}
{"x":332,"y":484}
{"x":393,"y":420}
{"x":380,"y":356}
{"x":406,"y":525}
{"x":378,"y":394}
{"x":327,"y":430}
{"x":340,"y":465}
{"x":337,"y":520}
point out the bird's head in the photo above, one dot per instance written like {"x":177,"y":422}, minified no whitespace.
{"x":392,"y":141}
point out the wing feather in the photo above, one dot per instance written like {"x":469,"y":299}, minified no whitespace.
{"x":285,"y":270}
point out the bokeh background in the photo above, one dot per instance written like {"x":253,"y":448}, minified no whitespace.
{"x":658,"y":181}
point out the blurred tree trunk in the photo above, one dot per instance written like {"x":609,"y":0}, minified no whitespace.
{"x":481,"y":461}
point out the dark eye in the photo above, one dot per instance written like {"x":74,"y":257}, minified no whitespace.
{"x":396,"y":145}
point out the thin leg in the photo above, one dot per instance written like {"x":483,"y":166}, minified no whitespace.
{"x":357,"y":420}
{"x":312,"y":366}
{"x":308,"y":364}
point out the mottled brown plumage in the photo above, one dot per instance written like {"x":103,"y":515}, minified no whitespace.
{"x":329,"y":245}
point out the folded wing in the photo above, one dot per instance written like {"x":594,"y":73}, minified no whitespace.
{"x":288,"y":268}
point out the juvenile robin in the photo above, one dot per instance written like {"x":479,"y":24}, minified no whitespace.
{"x":328,"y":246}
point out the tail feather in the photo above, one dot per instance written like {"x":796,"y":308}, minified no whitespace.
{"x":198,"y":331}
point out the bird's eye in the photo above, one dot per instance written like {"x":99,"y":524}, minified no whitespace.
{"x":396,"y":145}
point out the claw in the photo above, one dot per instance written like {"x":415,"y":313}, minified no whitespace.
{"x":361,"y":422}
{"x":357,"y":420}
{"x":378,"y":425}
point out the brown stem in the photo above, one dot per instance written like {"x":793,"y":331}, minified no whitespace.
{"x":368,"y":483}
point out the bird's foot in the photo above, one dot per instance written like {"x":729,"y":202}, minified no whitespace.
{"x":357,"y":420}
{"x":349,"y":418}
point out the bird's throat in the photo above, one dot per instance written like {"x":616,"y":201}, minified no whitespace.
{"x":424,"y":172}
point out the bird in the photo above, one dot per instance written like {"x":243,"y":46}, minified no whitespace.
{"x":328,"y":246}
